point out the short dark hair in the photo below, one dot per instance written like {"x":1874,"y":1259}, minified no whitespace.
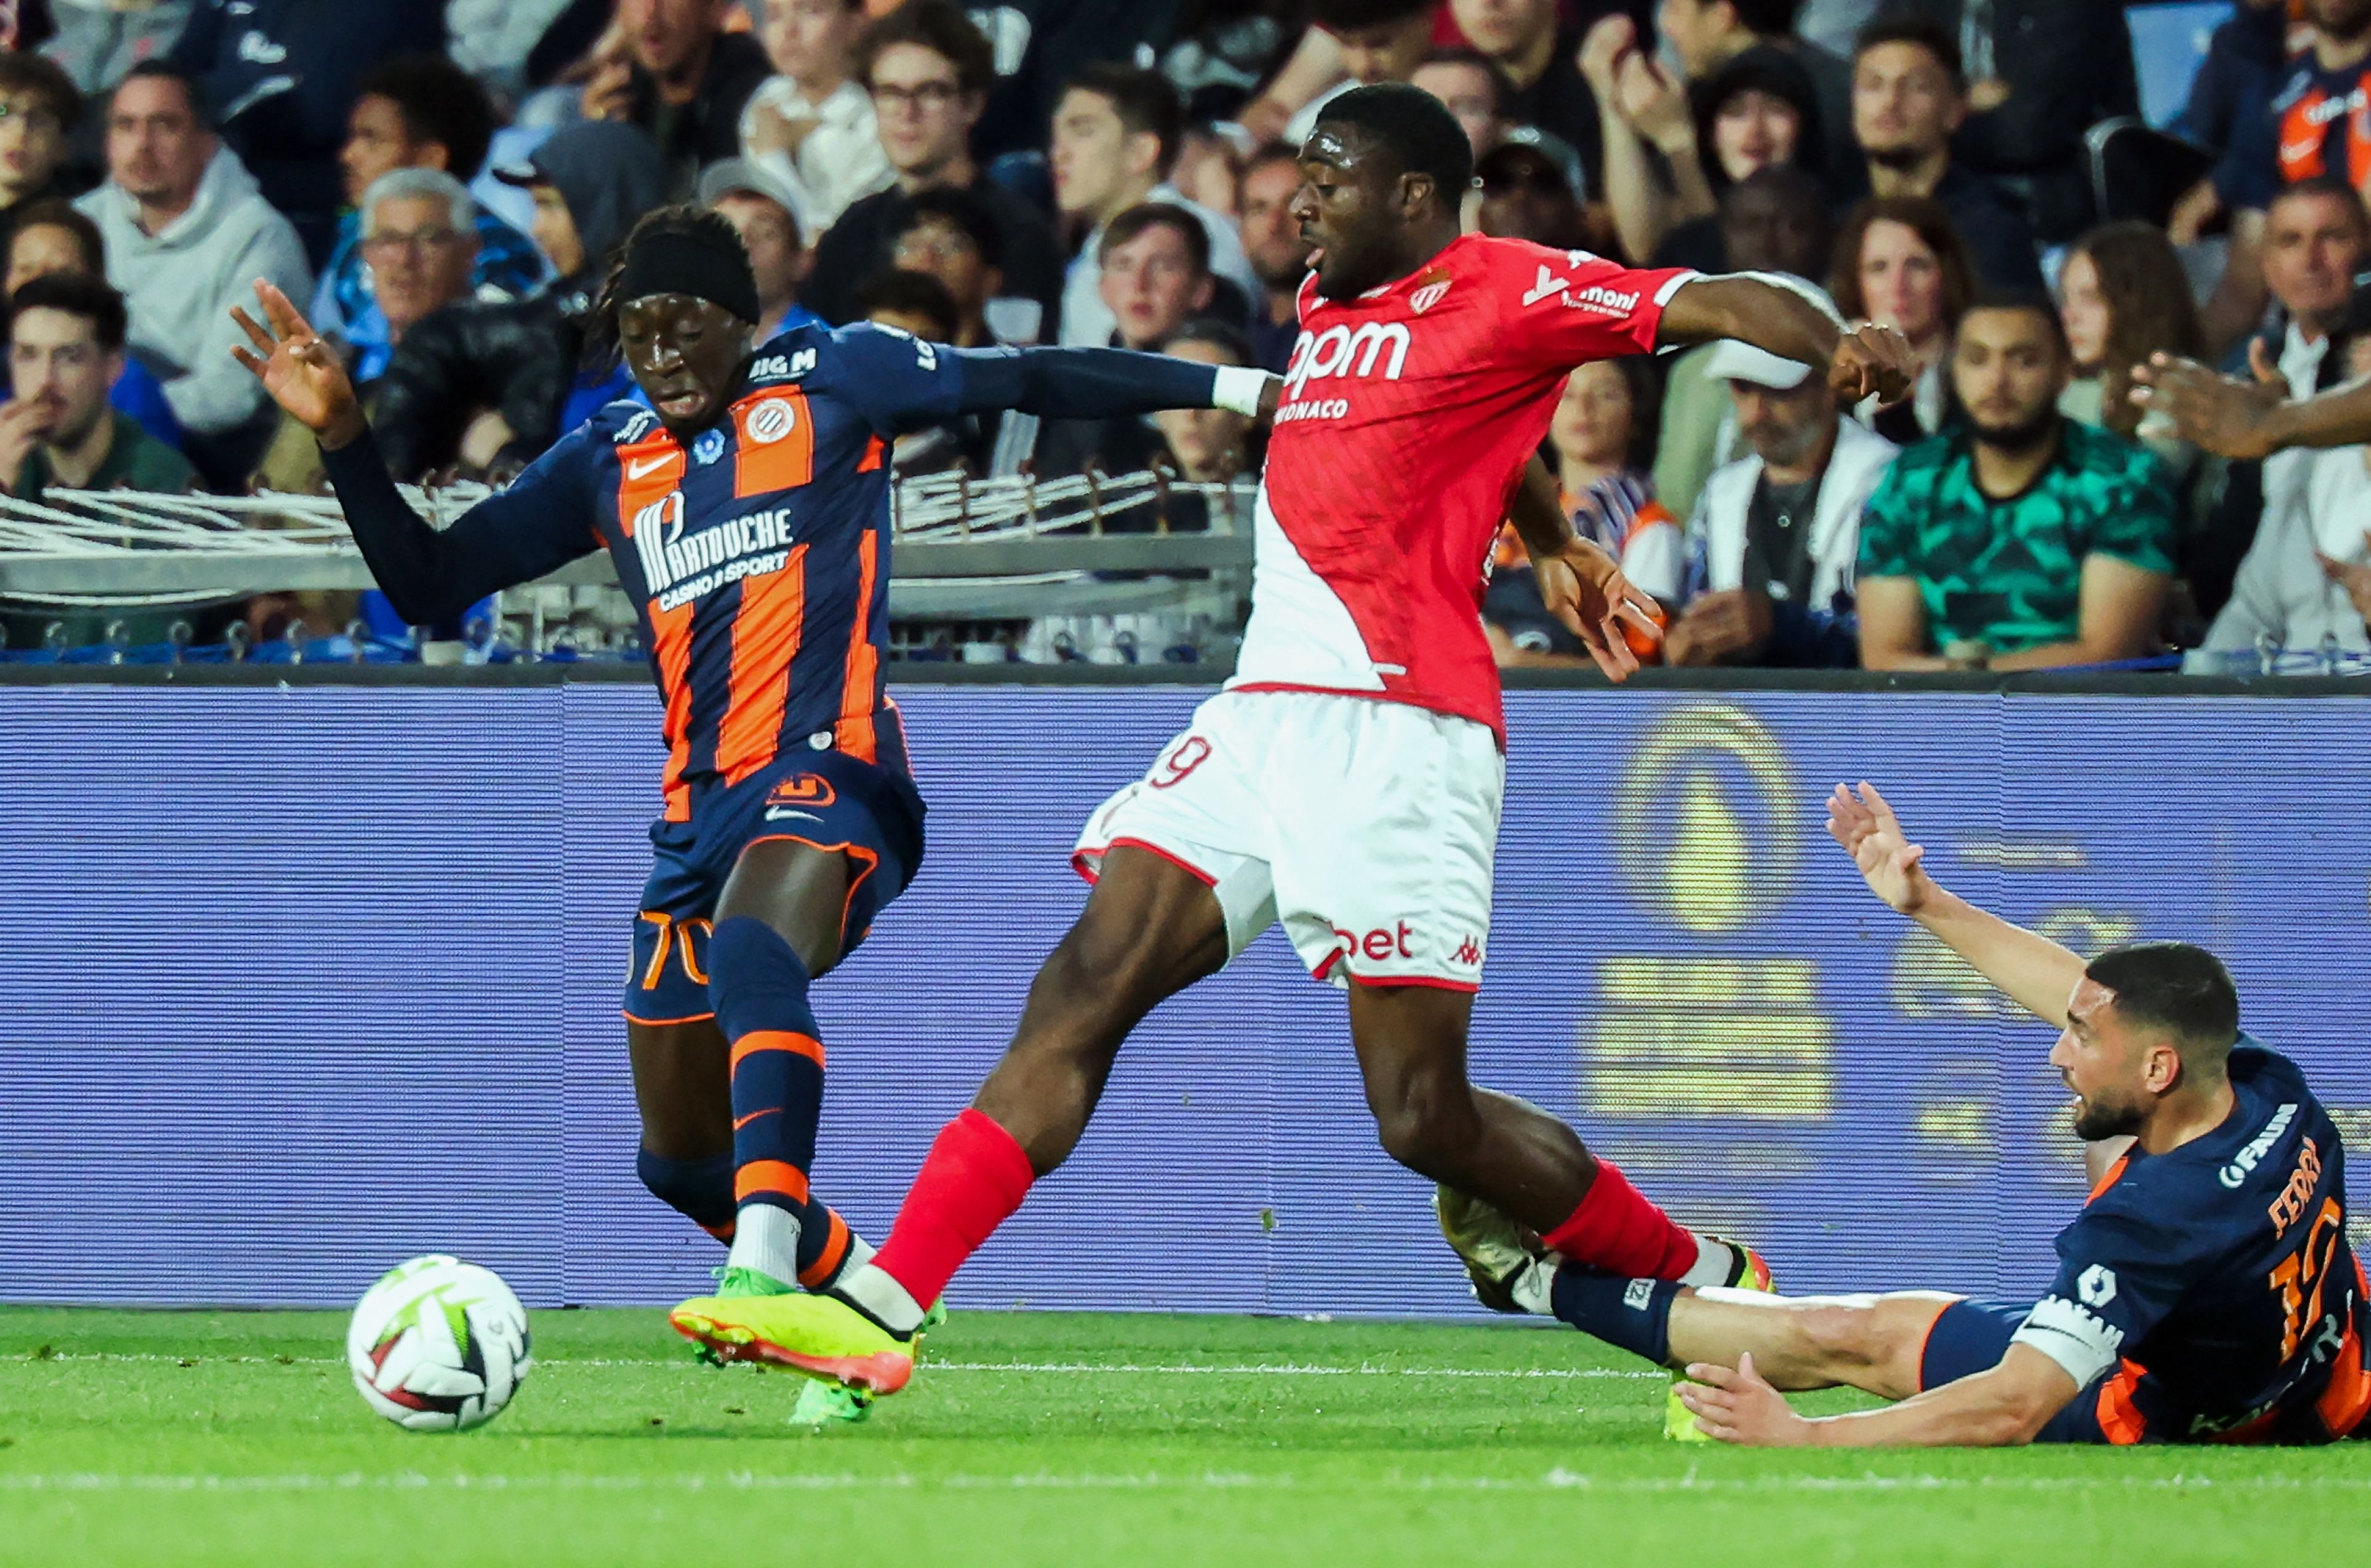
{"x":1766,"y":19}
{"x":38,"y":76}
{"x":1146,"y":215}
{"x":441,"y":103}
{"x":1913,"y":28}
{"x":1227,"y":339}
{"x":959,"y":209}
{"x":1341,"y":16}
{"x":1415,"y":127}
{"x":939,"y":26}
{"x":56,"y":211}
{"x":2178,"y":988}
{"x":2031,"y":300}
{"x":1146,"y":101}
{"x":1271,"y":152}
{"x":1501,"y":88}
{"x":2328,"y":187}
{"x":77,"y":293}
{"x":910,"y":293}
{"x":165,"y":71}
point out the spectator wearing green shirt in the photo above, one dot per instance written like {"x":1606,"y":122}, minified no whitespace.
{"x":65,"y":349}
{"x":2020,"y":540}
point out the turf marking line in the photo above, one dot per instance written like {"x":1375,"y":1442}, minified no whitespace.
{"x":1554,"y":1481}
{"x":1286,"y":1370}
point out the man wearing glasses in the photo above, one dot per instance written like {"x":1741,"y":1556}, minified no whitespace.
{"x":929,"y":71}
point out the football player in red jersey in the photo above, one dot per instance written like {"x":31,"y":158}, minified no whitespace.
{"x":1347,"y":782}
{"x":747,"y":510}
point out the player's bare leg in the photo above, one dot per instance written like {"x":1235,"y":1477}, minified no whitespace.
{"x":1523,"y":1162}
{"x":1871,"y":1342}
{"x":1430,"y":1117}
{"x":1149,"y":930}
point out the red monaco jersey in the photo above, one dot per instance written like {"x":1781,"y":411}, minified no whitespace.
{"x":1406,"y":418}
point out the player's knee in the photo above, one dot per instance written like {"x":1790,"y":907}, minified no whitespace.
{"x":1429,"y":1128}
{"x":1842,"y":1335}
{"x":699,"y":1189}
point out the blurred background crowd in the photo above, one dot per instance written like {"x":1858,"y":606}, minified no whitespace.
{"x":2039,"y":195}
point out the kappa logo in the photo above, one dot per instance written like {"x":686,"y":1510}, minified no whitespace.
{"x":1469,"y":952}
{"x":782,"y":367}
{"x":772,"y":419}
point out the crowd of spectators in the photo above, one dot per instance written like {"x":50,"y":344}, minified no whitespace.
{"x":440,"y":183}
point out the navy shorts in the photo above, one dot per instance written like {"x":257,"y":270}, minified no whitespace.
{"x":1973,"y":1337}
{"x":827,"y":799}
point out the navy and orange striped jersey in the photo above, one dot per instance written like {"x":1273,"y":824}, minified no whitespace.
{"x":2319,"y":123}
{"x":756,"y":548}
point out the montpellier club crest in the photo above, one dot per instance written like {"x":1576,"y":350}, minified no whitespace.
{"x":770,"y":420}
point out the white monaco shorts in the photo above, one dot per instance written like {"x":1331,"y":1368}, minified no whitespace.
{"x":1368,"y":827}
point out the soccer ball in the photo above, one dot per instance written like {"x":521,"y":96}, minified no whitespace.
{"x":438,"y":1345}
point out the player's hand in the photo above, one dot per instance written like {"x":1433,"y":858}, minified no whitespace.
{"x":1872,"y":836}
{"x":298,"y":369}
{"x":1741,"y":1407}
{"x":2221,"y":415}
{"x":1872,"y":360}
{"x":2353,"y":576}
{"x":1582,"y":586}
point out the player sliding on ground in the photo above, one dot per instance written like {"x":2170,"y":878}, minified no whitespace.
{"x":747,"y":513}
{"x":2206,"y":1294}
{"x":1347,"y":782}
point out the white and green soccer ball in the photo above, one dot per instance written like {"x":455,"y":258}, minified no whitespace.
{"x":438,"y":1345}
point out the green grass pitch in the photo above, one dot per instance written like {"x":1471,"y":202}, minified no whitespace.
{"x":190,"y":1438}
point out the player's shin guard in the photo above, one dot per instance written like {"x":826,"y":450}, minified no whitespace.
{"x":760,"y":991}
{"x":1635,"y":1314}
{"x":700,"y":1190}
{"x":976,"y":1176}
{"x":1616,"y":1230}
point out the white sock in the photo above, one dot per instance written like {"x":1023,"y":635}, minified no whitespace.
{"x":1715,"y":1261}
{"x":1533,"y":1286}
{"x":766,"y":1238}
{"x":883,"y":1297}
{"x":860,"y":1253}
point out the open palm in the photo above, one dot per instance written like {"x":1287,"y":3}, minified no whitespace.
{"x":296,"y":366}
{"x":1872,"y":836}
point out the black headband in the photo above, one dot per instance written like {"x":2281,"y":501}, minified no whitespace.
{"x":681,"y":263}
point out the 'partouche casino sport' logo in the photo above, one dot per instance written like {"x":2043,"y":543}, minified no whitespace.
{"x":1705,"y":820}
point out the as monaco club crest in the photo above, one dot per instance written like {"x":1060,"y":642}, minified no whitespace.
{"x":1428,"y":294}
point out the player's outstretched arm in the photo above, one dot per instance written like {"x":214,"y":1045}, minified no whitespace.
{"x":427,"y":575}
{"x":1782,"y":317}
{"x":2007,"y":1405}
{"x":2034,"y":972}
{"x":2248,"y":419}
{"x":1087,"y":383}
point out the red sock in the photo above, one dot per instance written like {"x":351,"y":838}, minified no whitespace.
{"x":976,"y":1176}
{"x":1614,"y":1229}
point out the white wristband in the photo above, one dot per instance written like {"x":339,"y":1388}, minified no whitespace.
{"x":1238,"y":389}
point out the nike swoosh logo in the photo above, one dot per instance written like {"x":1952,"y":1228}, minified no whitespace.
{"x":777,"y":813}
{"x":741,"y":1121}
{"x":647,"y":465}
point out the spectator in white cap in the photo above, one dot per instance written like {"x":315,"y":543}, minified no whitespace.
{"x":766,"y":216}
{"x":1776,"y":532}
